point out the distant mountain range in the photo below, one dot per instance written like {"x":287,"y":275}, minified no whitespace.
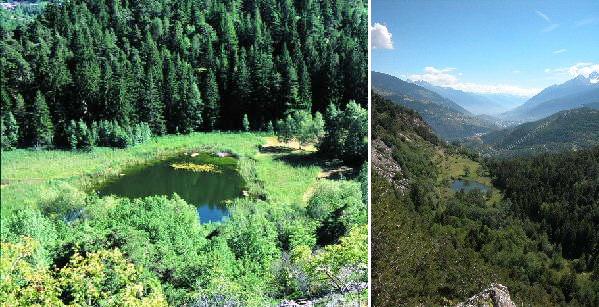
{"x":571,"y":94}
{"x":489,"y":104}
{"x":565,"y":130}
{"x":447,"y":118}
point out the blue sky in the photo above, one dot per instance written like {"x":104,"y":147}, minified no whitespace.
{"x":517,"y":47}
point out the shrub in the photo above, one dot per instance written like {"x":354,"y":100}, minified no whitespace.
{"x":337,"y":205}
{"x":346,"y":134}
{"x":301,"y":126}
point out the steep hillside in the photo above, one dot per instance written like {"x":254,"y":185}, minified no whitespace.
{"x":433,"y":247}
{"x":571,"y":129}
{"x":387,"y":83}
{"x":568,"y":95}
{"x":444,"y":116}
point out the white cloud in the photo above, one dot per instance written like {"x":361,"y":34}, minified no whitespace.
{"x":543,"y":16}
{"x":583,"y":68}
{"x":559,"y":51}
{"x":516,"y":71}
{"x":381,"y":37}
{"x":444,"y":77}
{"x":551,"y":26}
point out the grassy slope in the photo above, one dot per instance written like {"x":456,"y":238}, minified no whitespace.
{"x":29,"y":177}
{"x":453,"y":167}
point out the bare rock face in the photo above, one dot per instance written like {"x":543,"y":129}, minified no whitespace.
{"x":384,"y":164}
{"x":495,"y":296}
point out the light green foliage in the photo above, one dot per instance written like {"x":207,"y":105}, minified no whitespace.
{"x":103,"y":278}
{"x":301,"y":126}
{"x":245,"y":123}
{"x":10,"y":131}
{"x":346,"y":133}
{"x":248,"y":260}
{"x":337,"y":205}
{"x":106,"y":278}
{"x":20,"y":279}
{"x":161,"y":235}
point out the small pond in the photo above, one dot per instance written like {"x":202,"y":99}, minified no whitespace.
{"x":214,"y":181}
{"x":468,"y":185}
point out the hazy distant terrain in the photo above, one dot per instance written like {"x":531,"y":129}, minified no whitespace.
{"x":446,"y":117}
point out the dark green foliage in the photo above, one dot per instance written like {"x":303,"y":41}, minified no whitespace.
{"x":577,"y":128}
{"x":559,"y":191}
{"x":446,"y":247}
{"x":10,"y":131}
{"x":183,"y":66}
{"x":346,"y":134}
{"x":39,"y":125}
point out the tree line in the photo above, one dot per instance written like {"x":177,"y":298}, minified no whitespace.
{"x":180,"y":66}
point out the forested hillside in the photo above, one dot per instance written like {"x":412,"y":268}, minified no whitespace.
{"x":435,"y":246}
{"x":448,"y":119}
{"x":180,"y":66}
{"x":565,"y":130}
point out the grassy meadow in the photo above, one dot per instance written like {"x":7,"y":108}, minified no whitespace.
{"x":31,"y":176}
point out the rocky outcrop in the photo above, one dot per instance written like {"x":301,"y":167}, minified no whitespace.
{"x":384,"y":165}
{"x":495,"y":296}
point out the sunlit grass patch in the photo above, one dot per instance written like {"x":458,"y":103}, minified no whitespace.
{"x":200,"y":168}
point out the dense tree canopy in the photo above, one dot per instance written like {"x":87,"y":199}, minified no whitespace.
{"x":181,"y":66}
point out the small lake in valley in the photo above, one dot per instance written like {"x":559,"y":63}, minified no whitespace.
{"x":468,"y":185}
{"x":204,"y":180}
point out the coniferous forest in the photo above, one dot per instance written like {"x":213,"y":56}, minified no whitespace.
{"x":180,"y":66}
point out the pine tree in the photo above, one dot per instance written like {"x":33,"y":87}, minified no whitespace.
{"x":10,"y":131}
{"x":245,"y":123}
{"x":289,"y":85}
{"x":211,"y":100}
{"x":150,"y":107}
{"x":40,"y":125}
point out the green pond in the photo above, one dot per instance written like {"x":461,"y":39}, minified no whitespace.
{"x":207,"y":190}
{"x":468,"y":185}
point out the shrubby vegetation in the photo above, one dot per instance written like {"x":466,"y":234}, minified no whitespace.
{"x":301,"y":126}
{"x":346,"y":133}
{"x":107,"y":134}
{"x":154,"y":251}
{"x":446,"y":246}
{"x":262,"y":253}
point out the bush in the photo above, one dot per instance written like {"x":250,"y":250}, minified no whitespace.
{"x":301,"y":126}
{"x":111,"y":134}
{"x":79,"y":136}
{"x":103,"y":278}
{"x":161,"y":235}
{"x":337,"y":205}
{"x":346,"y":133}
